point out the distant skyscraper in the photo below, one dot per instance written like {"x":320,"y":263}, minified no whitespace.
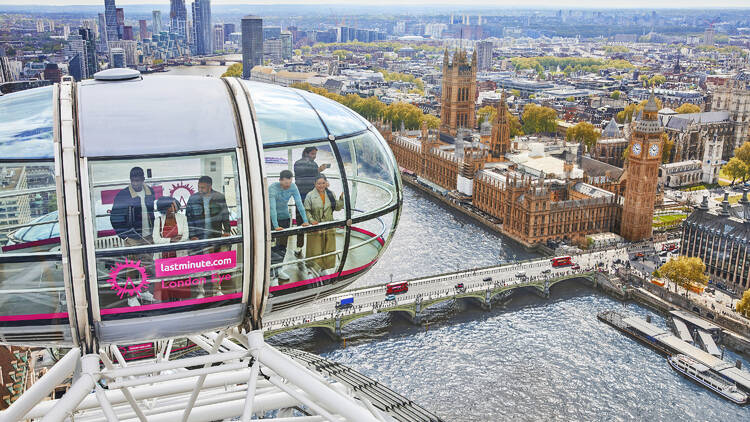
{"x":229,"y":28}
{"x":484,"y":54}
{"x":127,"y":33}
{"x":110,"y":16}
{"x":156,"y":21}
{"x":252,"y":44}
{"x":178,"y":18}
{"x":202,"y":27}
{"x":92,"y":64}
{"x":120,"y":15}
{"x":143,"y":29}
{"x":708,"y":36}
{"x":117,"y":57}
{"x":286,"y":45}
{"x":218,"y":36}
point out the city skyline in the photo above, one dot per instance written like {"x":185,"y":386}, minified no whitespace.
{"x":443,"y":4}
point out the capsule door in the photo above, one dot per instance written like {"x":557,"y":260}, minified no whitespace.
{"x":164,"y":225}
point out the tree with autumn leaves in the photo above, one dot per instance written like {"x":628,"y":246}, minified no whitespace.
{"x":685,"y":272}
{"x":488,"y":114}
{"x":739,"y":166}
{"x":583,"y":132}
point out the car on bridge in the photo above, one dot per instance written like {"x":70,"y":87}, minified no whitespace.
{"x":345,"y":302}
{"x":575,"y":267}
{"x":390,"y":298}
{"x":460,"y":286}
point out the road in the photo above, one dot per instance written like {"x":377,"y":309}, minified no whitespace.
{"x":370,"y":299}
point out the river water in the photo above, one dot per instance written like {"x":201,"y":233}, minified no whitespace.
{"x":529,"y":359}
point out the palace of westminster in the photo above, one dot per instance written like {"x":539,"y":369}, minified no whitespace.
{"x":540,"y":191}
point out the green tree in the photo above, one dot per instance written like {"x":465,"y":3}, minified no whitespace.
{"x":233,"y":70}
{"x":297,"y":52}
{"x":433,"y":122}
{"x":736,"y":169}
{"x":486,"y":114}
{"x":341,"y":53}
{"x":615,"y":95}
{"x":688,"y":108}
{"x":743,"y":153}
{"x":515,"y":125}
{"x":538,"y":119}
{"x":743,"y":305}
{"x":571,"y":99}
{"x":583,"y":132}
{"x":516,"y":93}
{"x":656,"y":80}
{"x":685,"y":272}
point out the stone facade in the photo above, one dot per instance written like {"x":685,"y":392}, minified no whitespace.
{"x":642,"y":175}
{"x":459,"y":92}
{"x":733,"y":95}
{"x":721,"y":239}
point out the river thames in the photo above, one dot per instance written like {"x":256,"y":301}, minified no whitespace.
{"x":529,"y":359}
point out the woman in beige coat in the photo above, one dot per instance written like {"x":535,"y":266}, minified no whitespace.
{"x":320,"y":204}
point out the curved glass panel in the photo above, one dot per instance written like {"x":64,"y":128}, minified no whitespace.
{"x":367,"y":243}
{"x":283,"y":116}
{"x":32,"y":291}
{"x":315,"y":254}
{"x":370,"y":172}
{"x":168,"y":234}
{"x":339,"y":119}
{"x":26,"y":124}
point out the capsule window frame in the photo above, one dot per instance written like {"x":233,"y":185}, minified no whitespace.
{"x":244,"y":216}
{"x":52,"y":256}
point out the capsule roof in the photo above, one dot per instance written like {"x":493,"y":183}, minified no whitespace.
{"x":186,"y":114}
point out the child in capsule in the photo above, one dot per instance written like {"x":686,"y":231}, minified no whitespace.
{"x":170,"y":227}
{"x":279,"y":194}
{"x":319,"y":206}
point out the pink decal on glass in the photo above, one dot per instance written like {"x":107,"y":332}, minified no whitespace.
{"x":195,"y":264}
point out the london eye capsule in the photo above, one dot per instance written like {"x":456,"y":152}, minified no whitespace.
{"x":139,"y":208}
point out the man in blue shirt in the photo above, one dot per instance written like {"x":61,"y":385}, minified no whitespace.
{"x":279,"y":193}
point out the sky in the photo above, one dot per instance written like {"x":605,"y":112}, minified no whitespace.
{"x":458,"y":4}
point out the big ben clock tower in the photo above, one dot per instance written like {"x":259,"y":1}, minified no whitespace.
{"x":642,"y":175}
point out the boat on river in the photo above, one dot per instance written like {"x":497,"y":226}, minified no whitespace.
{"x":703,"y":375}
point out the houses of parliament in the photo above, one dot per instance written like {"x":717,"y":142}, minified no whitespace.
{"x":541,"y":192}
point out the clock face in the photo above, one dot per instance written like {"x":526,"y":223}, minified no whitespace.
{"x":636,"y":149}
{"x":654,"y":150}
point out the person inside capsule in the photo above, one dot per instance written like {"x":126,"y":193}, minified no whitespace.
{"x":319,"y":206}
{"x":279,"y":195}
{"x":132,"y":217}
{"x":306,"y":171}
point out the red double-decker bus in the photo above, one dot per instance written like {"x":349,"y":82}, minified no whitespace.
{"x":394,"y":288}
{"x":562,"y":261}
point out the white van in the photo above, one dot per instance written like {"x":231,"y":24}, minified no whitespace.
{"x":521,"y":274}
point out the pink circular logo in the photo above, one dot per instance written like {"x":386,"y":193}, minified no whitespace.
{"x":130,"y":286}
{"x":181,"y":192}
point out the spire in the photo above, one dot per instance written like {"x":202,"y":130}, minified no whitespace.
{"x":651,"y":104}
{"x":611,"y":130}
{"x":704,"y":204}
{"x":745,"y":206}
{"x":725,"y":206}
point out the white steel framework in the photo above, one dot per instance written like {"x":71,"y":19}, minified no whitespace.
{"x":237,"y":376}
